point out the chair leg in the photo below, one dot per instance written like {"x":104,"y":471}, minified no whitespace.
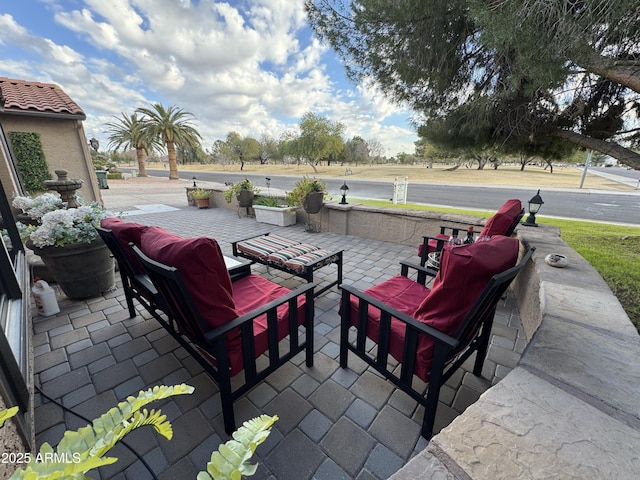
{"x":309,"y":316}
{"x":227,"y":405}
{"x":129,"y":297}
{"x":345,"y":321}
{"x":433,"y":394}
{"x":481,"y":352}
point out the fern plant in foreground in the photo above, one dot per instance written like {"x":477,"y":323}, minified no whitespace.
{"x":231,"y":461}
{"x":83,"y":450}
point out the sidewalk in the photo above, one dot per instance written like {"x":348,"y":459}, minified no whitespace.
{"x":334,"y":423}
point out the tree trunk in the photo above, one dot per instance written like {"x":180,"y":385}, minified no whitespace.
{"x":141,"y":157}
{"x":626,"y":75}
{"x":624,"y":155}
{"x":173,"y":164}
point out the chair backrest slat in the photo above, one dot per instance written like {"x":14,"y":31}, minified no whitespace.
{"x":113,"y":244}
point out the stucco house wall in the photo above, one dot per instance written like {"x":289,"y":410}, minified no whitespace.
{"x":47,"y":110}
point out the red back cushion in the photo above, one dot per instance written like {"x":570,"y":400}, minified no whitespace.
{"x":465,"y":271}
{"x":126,"y":232}
{"x":201,"y":266}
{"x":499,"y":224}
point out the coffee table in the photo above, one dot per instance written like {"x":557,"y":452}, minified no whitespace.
{"x":237,"y":267}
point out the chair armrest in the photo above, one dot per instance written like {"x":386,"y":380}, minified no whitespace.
{"x":437,"y":335}
{"x":439,"y":241}
{"x":305,"y":289}
{"x":423,"y":271}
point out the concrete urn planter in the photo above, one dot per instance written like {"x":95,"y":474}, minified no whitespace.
{"x":245,"y":198}
{"x":82,"y":270}
{"x":313,"y":202}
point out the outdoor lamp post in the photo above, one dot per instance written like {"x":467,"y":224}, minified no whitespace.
{"x":343,"y":191}
{"x":534,"y":207}
{"x":194,"y":181}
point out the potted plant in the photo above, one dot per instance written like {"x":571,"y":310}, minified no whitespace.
{"x":201,"y":196}
{"x":244,"y":191}
{"x":271,"y":210}
{"x":308,"y":193}
{"x":69,"y":245}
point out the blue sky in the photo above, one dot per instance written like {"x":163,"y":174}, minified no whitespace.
{"x":250,"y":66}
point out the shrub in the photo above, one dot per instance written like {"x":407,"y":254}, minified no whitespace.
{"x":30,"y":160}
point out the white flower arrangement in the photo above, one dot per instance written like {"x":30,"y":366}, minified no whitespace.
{"x":59,"y":227}
{"x":36,"y":207}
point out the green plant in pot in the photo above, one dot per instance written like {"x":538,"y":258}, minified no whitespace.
{"x":308,"y":193}
{"x":268,"y":202}
{"x":202,"y":197}
{"x":243,"y":191}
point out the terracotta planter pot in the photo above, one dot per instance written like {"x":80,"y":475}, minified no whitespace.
{"x":82,"y":270}
{"x":202,"y":202}
{"x":313,"y":202}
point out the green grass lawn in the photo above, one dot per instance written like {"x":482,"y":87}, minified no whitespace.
{"x":613,"y":250}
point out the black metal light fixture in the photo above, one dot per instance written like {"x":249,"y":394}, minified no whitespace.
{"x":344,"y":190}
{"x":534,"y":207}
{"x":194,"y":181}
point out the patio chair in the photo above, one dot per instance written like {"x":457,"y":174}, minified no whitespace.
{"x":226,"y":326}
{"x":430,"y":332}
{"x":117,"y":235}
{"x":503,"y":222}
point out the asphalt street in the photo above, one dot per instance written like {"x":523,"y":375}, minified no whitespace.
{"x":582,"y":204}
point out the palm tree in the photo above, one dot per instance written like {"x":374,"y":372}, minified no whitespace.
{"x":128,"y":132}
{"x":171,"y":127}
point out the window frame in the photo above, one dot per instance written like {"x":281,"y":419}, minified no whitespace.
{"x":16,"y":369}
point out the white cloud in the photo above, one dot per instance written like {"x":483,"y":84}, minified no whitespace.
{"x":254,"y":69}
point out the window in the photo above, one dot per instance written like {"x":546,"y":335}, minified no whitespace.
{"x":15,"y":337}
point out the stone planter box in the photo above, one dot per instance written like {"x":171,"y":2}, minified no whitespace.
{"x":281,"y":216}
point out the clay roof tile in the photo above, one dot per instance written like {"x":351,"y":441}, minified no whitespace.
{"x":24,"y":96}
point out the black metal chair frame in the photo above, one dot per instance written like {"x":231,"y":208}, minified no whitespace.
{"x":455,"y":231}
{"x":135,"y":285}
{"x":196,"y":337}
{"x":450,"y":352}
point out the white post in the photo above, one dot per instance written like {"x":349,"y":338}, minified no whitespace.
{"x":400,"y":188}
{"x":586,"y":167}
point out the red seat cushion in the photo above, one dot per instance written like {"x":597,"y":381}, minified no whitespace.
{"x":499,"y":223}
{"x":202,"y":269}
{"x":399,"y":292}
{"x":126,"y":232}
{"x":251,"y":292}
{"x":465,"y":271}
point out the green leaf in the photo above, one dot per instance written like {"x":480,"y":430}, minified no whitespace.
{"x":83,"y":450}
{"x":7,"y":414}
{"x":230,"y":462}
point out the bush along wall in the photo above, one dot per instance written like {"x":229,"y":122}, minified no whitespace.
{"x":30,"y":160}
